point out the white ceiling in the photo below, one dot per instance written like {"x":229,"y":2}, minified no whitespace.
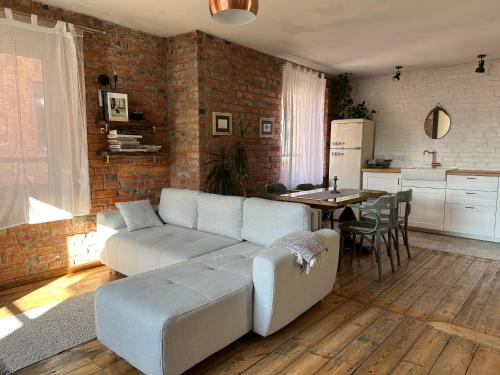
{"x":365,"y":37}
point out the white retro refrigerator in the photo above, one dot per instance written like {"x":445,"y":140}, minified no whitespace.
{"x":351,"y":146}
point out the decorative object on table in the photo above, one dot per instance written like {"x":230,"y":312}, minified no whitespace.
{"x":335,"y":190}
{"x":437,"y":123}
{"x":136,"y":116}
{"x":115,"y":106}
{"x":346,"y":108}
{"x":222,"y":123}
{"x":379,"y":163}
{"x":230,"y":168}
{"x":308,"y":248}
{"x":266,"y":128}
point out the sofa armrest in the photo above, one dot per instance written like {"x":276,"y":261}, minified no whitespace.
{"x":316,"y":219}
{"x":282,"y":291}
{"x":108,"y":224}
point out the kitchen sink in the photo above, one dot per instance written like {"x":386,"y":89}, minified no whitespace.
{"x":425,"y":173}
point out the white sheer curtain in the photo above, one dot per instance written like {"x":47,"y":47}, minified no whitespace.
{"x":43,"y":133}
{"x":302,"y":135}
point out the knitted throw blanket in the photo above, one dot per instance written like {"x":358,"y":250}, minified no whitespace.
{"x":307,"y":247}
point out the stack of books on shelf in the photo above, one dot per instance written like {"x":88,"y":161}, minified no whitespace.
{"x":126,"y":142}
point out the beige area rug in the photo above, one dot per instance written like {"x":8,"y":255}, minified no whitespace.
{"x":45,"y":331}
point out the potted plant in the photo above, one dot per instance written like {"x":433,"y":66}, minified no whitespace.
{"x":346,"y":108}
{"x":230,"y":168}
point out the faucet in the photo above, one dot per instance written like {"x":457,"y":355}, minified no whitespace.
{"x":434,"y":153}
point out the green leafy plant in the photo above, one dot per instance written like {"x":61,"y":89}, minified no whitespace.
{"x":345,"y":105}
{"x":238,"y":162}
{"x":220,"y":179}
{"x":230,"y":168}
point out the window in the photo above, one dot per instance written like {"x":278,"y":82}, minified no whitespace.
{"x":43,"y":143}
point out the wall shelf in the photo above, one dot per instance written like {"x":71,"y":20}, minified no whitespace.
{"x":106,"y":126}
{"x":108,"y":154}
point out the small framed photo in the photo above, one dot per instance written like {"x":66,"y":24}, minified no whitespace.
{"x":115,"y":106}
{"x":222,"y":123}
{"x":266,"y":127}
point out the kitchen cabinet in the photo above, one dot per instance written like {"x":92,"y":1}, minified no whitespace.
{"x":390,"y":182}
{"x":468,"y":205}
{"x":471,"y":205}
{"x":468,"y":219}
{"x":427,"y":207}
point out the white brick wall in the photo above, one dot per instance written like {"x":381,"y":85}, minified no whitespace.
{"x":471,"y":99}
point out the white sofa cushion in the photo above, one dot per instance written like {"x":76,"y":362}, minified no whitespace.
{"x":265,"y":221}
{"x":236,"y":258}
{"x":152,"y":248}
{"x":138,"y":215}
{"x":179,"y":207}
{"x":165,"y":321}
{"x":220,"y":214}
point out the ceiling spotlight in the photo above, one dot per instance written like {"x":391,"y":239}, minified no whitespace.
{"x":234,"y":12}
{"x":480,"y":67}
{"x":397,"y":76}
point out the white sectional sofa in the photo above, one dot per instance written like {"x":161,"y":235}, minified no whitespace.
{"x":205,"y":278}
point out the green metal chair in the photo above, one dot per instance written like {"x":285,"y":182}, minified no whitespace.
{"x":305,"y":187}
{"x":401,"y":221}
{"x":275,"y":189}
{"x":374,"y":228}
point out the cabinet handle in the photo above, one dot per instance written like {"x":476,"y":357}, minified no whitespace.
{"x":469,"y":207}
{"x":470,"y":193}
{"x":471,"y":178}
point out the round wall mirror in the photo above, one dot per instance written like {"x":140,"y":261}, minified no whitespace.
{"x":437,"y":123}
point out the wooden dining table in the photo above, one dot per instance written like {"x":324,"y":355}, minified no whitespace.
{"x":329,"y":199}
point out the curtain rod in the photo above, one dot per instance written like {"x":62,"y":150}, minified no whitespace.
{"x":306,"y":67}
{"x":83,"y":28}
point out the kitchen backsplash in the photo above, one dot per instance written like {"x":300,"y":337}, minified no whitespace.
{"x":471,"y":99}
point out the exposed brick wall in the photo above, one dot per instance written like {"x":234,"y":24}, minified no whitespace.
{"x":205,"y":75}
{"x":183,"y":78}
{"x":246,"y":83}
{"x":140,"y":61}
{"x":473,"y":101}
{"x":183,"y":105}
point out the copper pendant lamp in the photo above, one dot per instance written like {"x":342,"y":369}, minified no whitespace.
{"x":234,"y":12}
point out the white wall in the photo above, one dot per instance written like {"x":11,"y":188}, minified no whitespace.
{"x":471,"y":99}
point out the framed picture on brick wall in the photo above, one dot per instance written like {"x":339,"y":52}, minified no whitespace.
{"x":115,"y":106}
{"x":222,"y":123}
{"x":266,"y":127}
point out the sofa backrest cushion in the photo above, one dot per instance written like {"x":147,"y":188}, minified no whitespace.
{"x":220,"y":214}
{"x":264,"y":221}
{"x":179,"y":207}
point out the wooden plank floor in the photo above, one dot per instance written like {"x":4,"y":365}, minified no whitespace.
{"x":438,"y":314}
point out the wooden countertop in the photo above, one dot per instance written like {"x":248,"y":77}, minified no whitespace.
{"x":473,"y":172}
{"x":452,"y":172}
{"x":382,"y":170}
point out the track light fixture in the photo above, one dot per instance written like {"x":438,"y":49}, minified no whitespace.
{"x":480,"y":67}
{"x":397,"y":76}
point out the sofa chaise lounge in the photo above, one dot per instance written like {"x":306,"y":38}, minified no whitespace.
{"x":205,"y":278}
